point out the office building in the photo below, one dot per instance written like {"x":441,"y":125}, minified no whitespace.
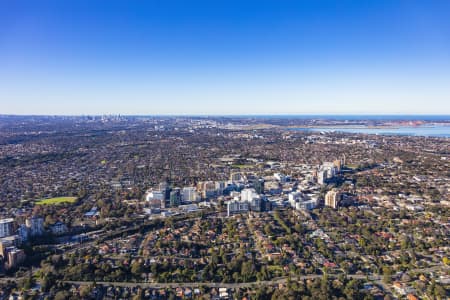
{"x":175,"y":198}
{"x":333,"y":199}
{"x":58,"y":228}
{"x":235,"y":206}
{"x":207,"y":189}
{"x":306,"y":204}
{"x":6,"y":227}
{"x":295,"y":197}
{"x":155,"y":195}
{"x":258,"y":184}
{"x":190,"y":194}
{"x":280,"y":177}
{"x":322,"y":176}
{"x":248,"y":194}
{"x":12,"y":256}
{"x":35,"y":225}
{"x":23,"y":232}
{"x":236,"y":177}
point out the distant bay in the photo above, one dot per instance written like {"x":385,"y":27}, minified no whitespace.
{"x":428,"y":130}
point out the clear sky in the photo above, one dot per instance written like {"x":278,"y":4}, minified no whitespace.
{"x":225,"y":57}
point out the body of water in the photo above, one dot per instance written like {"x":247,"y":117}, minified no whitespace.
{"x":431,"y":131}
{"x":432,"y":118}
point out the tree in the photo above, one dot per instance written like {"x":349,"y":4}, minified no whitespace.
{"x":172,"y":296}
{"x":387,"y":274}
{"x":29,"y":281}
{"x":351,"y":289}
{"x":439,"y":292}
{"x":62,"y":295}
{"x":47,"y":282}
{"x":85,"y":290}
{"x":247,"y":271}
{"x":299,"y":228}
{"x":267,"y":229}
{"x":139,"y":295}
{"x":136,"y":268}
{"x":324,"y":285}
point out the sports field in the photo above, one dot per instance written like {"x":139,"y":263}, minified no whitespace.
{"x":57,"y":200}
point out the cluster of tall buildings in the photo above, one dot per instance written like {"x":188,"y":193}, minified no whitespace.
{"x":328,"y":170}
{"x":247,"y":200}
{"x":248,"y":192}
{"x":242,"y":199}
{"x":302,"y":201}
{"x":11,"y":236}
{"x":210,"y":189}
{"x":165,"y":196}
{"x":34,"y":226}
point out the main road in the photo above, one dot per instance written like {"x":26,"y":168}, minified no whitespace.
{"x":205,"y":284}
{"x":282,"y":280}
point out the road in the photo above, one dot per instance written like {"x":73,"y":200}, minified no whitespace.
{"x":375,"y":278}
{"x":205,"y":284}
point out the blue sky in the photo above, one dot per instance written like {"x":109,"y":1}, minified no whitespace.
{"x":225,"y":57}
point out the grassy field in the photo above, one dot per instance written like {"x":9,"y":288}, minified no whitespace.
{"x":57,"y":200}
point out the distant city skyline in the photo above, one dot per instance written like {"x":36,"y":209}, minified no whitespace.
{"x":225,"y":58}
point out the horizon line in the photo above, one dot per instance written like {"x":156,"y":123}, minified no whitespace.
{"x":223,"y":115}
